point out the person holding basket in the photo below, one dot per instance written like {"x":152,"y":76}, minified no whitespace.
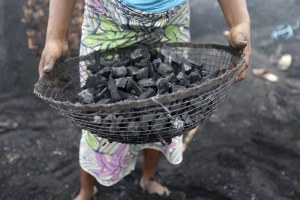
{"x":110,"y":24}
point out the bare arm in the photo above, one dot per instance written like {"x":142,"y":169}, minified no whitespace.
{"x":238,"y":20}
{"x":56,"y":47}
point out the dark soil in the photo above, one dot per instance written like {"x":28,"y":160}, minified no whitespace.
{"x":248,"y":150}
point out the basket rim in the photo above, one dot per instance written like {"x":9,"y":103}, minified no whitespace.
{"x":164,"y":98}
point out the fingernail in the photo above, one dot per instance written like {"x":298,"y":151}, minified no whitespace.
{"x":46,"y":68}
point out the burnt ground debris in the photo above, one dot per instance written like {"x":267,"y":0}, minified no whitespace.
{"x":248,"y":150}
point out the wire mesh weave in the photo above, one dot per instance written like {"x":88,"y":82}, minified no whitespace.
{"x":156,"y":119}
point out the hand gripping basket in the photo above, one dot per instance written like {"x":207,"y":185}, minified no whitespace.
{"x":155,"y":119}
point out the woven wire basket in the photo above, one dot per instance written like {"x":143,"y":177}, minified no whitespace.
{"x":155,"y":119}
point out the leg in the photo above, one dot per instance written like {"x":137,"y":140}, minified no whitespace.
{"x":188,"y":138}
{"x":151,"y":160}
{"x":88,"y":189}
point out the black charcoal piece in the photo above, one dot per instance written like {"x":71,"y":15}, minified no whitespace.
{"x":124,"y":95}
{"x":146,"y":121}
{"x":181,"y":76}
{"x":137,"y":55}
{"x":97,"y":120}
{"x":107,"y":63}
{"x":142,"y":73}
{"x":153,"y":54}
{"x":133,"y":128}
{"x":86,"y":96}
{"x":105,"y":71}
{"x":93,"y":68}
{"x":183,"y":79}
{"x":156,"y":63}
{"x":146,"y":54}
{"x":110,"y":119}
{"x":112,"y":88}
{"x":195,"y":76}
{"x":101,"y":94}
{"x":148,"y":82}
{"x":132,"y":86}
{"x":149,"y":93}
{"x":142,"y":63}
{"x":159,"y":123}
{"x":101,"y":78}
{"x":186,"y":118}
{"x":170,"y":78}
{"x":118,"y":72}
{"x":132,"y":70}
{"x":162,"y":85}
{"x":165,"y":69}
{"x":122,"y":63}
{"x":92,"y":82}
{"x":104,"y":101}
{"x":186,"y":66}
{"x":122,"y":82}
{"x":113,"y":128}
{"x":176,"y":88}
{"x":151,"y":70}
{"x":204,"y":73}
{"x":120,"y":119}
{"x":119,"y":122}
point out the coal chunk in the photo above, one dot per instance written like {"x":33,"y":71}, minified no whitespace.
{"x":149,"y":93}
{"x":142,"y":63}
{"x":105,"y":71}
{"x":186,"y":118}
{"x":186,"y":66}
{"x":118,"y":72}
{"x":146,"y":121}
{"x":122,"y":82}
{"x":101,"y":94}
{"x":133,"y":128}
{"x":131,"y":85}
{"x":159,"y":123}
{"x":142,"y":73}
{"x":93,"y":68}
{"x":112,"y":88}
{"x":165,"y":69}
{"x":122,"y":63}
{"x":86,"y":96}
{"x":137,"y":55}
{"x":195,"y":76}
{"x":97,"y":120}
{"x":94,"y":81}
{"x":124,"y":95}
{"x":156,"y":62}
{"x":148,"y":82}
{"x":111,"y":118}
{"x":162,"y":85}
{"x":132,"y":71}
{"x":183,"y":79}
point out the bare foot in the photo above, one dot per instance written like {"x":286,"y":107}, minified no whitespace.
{"x":86,"y":195}
{"x":153,"y":187}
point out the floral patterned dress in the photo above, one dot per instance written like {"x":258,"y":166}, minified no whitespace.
{"x":110,"y":24}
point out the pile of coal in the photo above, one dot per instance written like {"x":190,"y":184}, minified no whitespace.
{"x":141,"y":74}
